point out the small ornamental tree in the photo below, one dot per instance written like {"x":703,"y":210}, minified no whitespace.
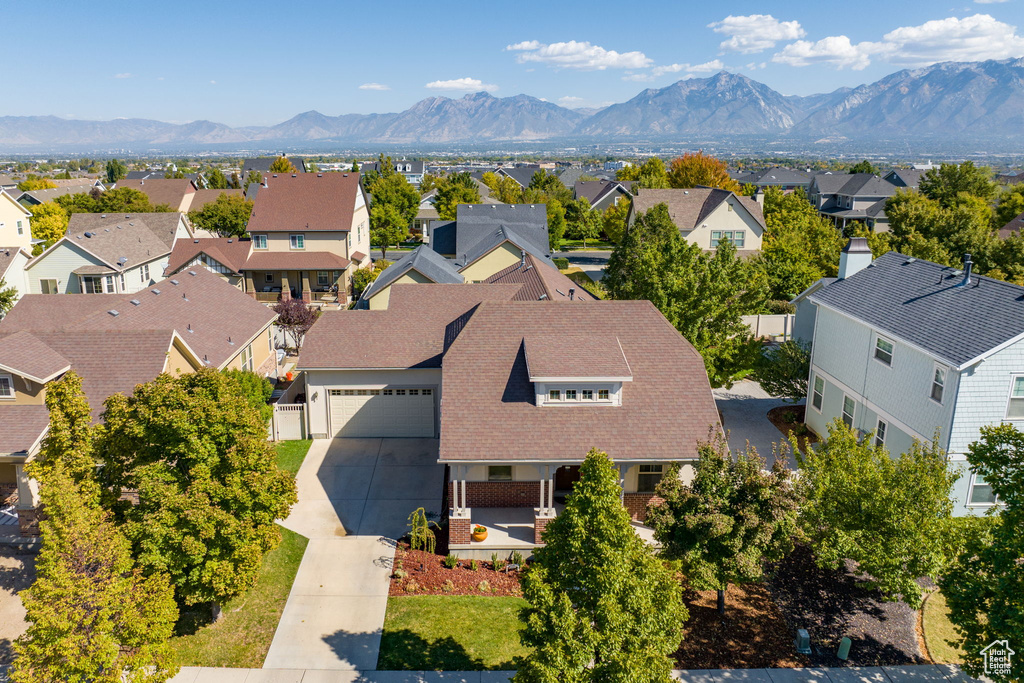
{"x":783,"y":370}
{"x":363,"y":277}
{"x":984,"y":586}
{"x":732,"y":518}
{"x":603,"y":606}
{"x":282,"y":165}
{"x":115,"y":170}
{"x":387,"y":226}
{"x":296,"y":318}
{"x":887,"y":514}
{"x":195,"y":448}
{"x":227,"y":215}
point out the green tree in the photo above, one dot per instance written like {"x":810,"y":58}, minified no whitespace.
{"x":355,"y":167}
{"x":70,"y":438}
{"x":887,"y":514}
{"x":924,"y":228}
{"x":282,"y":165}
{"x":362,"y":278}
{"x":614,"y":221}
{"x":81,"y":202}
{"x":115,"y":170}
{"x":691,"y":170}
{"x":1011,"y":205}
{"x":582,"y":222}
{"x":649,"y":175}
{"x":732,"y":518}
{"x":603,"y":606}
{"x":455,"y":189}
{"x":703,"y":295}
{"x":864,"y":166}
{"x":196,"y":450}
{"x":503,"y":188}
{"x":227,"y":215}
{"x":216,"y":180}
{"x":946,"y":183}
{"x":252,"y":177}
{"x":387,"y":226}
{"x":783,"y":370}
{"x":8,"y":297}
{"x":256,"y":389}
{"x":984,"y":585}
{"x":49,"y":223}
{"x":36,"y":184}
{"x":551,"y":186}
{"x":556,"y":224}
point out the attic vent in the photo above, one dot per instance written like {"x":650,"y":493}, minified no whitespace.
{"x":184,"y":296}
{"x":136,"y":302}
{"x":230,"y":342}
{"x":319,"y":175}
{"x":174,"y":282}
{"x":294,"y":176}
{"x":542,"y":297}
{"x":344,"y":175}
{"x":155,"y":291}
{"x":106,"y":229}
{"x":78,"y":236}
{"x":909,"y":260}
{"x":230,"y":241}
{"x":113,"y":313}
{"x":560,"y":292}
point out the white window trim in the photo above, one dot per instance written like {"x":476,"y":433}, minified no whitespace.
{"x":1009,"y":397}
{"x":874,"y":349}
{"x":256,"y":242}
{"x":824,"y":384}
{"x":853,"y":414}
{"x":970,"y":490}
{"x":885,"y":433}
{"x":291,"y":241}
{"x":14,"y":392}
{"x":945,"y":384}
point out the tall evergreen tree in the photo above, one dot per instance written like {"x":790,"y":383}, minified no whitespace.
{"x":603,"y":606}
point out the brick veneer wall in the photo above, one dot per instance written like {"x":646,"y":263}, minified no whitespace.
{"x":459,"y":529}
{"x":539,"y":524}
{"x":500,"y":494}
{"x":636,"y":504}
{"x":28,"y":520}
{"x":7,"y":493}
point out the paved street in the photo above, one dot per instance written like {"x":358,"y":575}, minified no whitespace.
{"x":355,"y":496}
{"x":744,"y":410}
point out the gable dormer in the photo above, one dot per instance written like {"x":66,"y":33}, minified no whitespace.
{"x":576,"y":370}
{"x":26,"y":365}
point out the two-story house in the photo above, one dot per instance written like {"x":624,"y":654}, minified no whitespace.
{"x":107,"y":253}
{"x":707,"y":216}
{"x":309,"y":231}
{"x":848,"y":197}
{"x":115,"y":342}
{"x":905,"y":349}
{"x":785,"y":179}
{"x":412,"y":170}
{"x":601,"y":194}
{"x":15,"y":243}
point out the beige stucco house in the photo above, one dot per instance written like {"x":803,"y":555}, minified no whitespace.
{"x":707,"y":216}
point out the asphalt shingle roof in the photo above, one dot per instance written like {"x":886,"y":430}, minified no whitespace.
{"x":24,"y":354}
{"x":574,"y":355}
{"x":170,"y":191}
{"x":475,"y":222}
{"x":422,"y":259}
{"x":304,"y":202}
{"x":920,"y":302}
{"x":689,"y":207}
{"x":231,"y":252}
{"x":138,"y":237}
{"x":21,"y":427}
{"x":540,"y":280}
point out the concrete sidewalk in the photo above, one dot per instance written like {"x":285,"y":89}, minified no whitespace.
{"x":744,"y":410}
{"x":926,"y":673}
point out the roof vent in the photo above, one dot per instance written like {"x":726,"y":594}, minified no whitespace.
{"x":542,"y":297}
{"x":89,"y":234}
{"x":230,"y":342}
{"x":130,"y":223}
{"x":572,"y":294}
{"x":319,"y":175}
{"x":155,"y":291}
{"x":103,"y":215}
{"x":192,"y":273}
{"x":560,"y":292}
{"x":909,"y":260}
{"x":121,"y":261}
{"x":175,"y":283}
{"x":106,"y":229}
{"x":195,"y":241}
{"x":113,"y":313}
{"x":190,"y":328}
{"x":968,"y":267}
{"x":184,"y":296}
{"x":230,"y":241}
{"x":135,"y":302}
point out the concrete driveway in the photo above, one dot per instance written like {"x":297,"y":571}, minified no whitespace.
{"x":744,"y":410}
{"x":355,"y":496}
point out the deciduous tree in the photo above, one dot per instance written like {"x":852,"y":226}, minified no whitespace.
{"x":252,"y":177}
{"x":783,"y":370}
{"x":227,"y":215}
{"x":49,"y":223}
{"x":732,"y":518}
{"x":864,"y":166}
{"x":614,"y":221}
{"x":296,"y":317}
{"x":387,"y":226}
{"x":115,"y":170}
{"x":36,"y":184}
{"x":886,"y":513}
{"x":603,"y":606}
{"x":216,"y":180}
{"x":691,"y":170}
{"x":452,"y":190}
{"x":362,"y":278}
{"x":282,"y":165}
{"x":8,"y":297}
{"x":651,"y":174}
{"x":947,"y":182}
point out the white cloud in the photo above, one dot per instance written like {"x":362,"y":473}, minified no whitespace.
{"x":972,"y":38}
{"x":639,"y":78}
{"x":213,"y":82}
{"x":835,"y":50}
{"x":755,"y":32}
{"x":570,"y":100}
{"x":524,"y":45}
{"x":706,"y":67}
{"x":988,"y":2}
{"x":374,"y":86}
{"x":462,"y":84}
{"x":578,"y":55}
{"x":124,"y":75}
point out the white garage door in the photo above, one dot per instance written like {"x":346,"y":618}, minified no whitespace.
{"x":394,"y":411}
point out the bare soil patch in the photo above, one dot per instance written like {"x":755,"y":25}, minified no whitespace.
{"x":790,"y":421}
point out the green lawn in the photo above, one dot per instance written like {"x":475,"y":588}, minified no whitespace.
{"x":592,"y":245}
{"x":290,"y":454}
{"x":243,"y":635}
{"x":938,"y":630}
{"x":452,"y":633}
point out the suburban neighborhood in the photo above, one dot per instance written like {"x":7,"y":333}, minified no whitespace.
{"x":709,"y":383}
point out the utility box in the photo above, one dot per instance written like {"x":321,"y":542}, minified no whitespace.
{"x":803,"y":641}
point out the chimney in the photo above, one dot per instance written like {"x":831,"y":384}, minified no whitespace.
{"x":759,"y":197}
{"x":856,"y":256}
{"x":968,"y":267}
{"x":572,"y":294}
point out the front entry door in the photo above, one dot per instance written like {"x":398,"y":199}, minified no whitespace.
{"x":566,"y":476}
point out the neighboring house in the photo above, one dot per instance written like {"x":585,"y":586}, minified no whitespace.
{"x":521,"y":174}
{"x":422,"y":265}
{"x":425,"y":213}
{"x":707,"y":216}
{"x":225,"y":256}
{"x":310,"y":232}
{"x":9,"y":183}
{"x":909,"y":349}
{"x":35,"y":197}
{"x":1010,"y":178}
{"x":201,"y":198}
{"x":1014,"y":225}
{"x":115,"y":342}
{"x":601,"y":194}
{"x":487,"y":238}
{"x":262,"y":164}
{"x":12,"y":269}
{"x":15,"y":223}
{"x":107,"y":253}
{"x":904,"y":177}
{"x":176,"y":193}
{"x":852,"y":197}
{"x":516,"y":391}
{"x":412,"y":170}
{"x":778,"y":177}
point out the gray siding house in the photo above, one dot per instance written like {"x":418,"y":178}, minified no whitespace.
{"x":905,"y":349}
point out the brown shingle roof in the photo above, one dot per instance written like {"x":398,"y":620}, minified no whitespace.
{"x":420,"y":322}
{"x":21,"y":427}
{"x":689,"y":207}
{"x":489,"y":411}
{"x":304,"y":202}
{"x":203,"y":197}
{"x":138,"y":237}
{"x":295,"y":260}
{"x":25,"y":355}
{"x":1014,"y":225}
{"x":574,"y":355}
{"x":228,"y":251}
{"x":539,"y":278}
{"x":170,"y":191}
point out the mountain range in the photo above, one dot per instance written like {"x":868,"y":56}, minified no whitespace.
{"x":964,"y":99}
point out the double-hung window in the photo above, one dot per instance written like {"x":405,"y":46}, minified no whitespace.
{"x":1015,"y":406}
{"x":648,"y":476}
{"x":883,"y":350}
{"x":145,"y":274}
{"x":259,"y":241}
{"x":247,"y":358}
{"x":880,"y":433}
{"x":981,"y":493}
{"x":818,"y":396}
{"x":849,"y":406}
{"x":938,"y":383}
{"x":499,"y":473}
{"x":297,"y":241}
{"x":6,"y":386}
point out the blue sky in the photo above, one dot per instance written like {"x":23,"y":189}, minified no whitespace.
{"x":259,"y":63}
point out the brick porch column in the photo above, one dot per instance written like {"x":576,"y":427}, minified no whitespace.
{"x":459,"y":526}
{"x":546,"y":512}
{"x":540,"y":522}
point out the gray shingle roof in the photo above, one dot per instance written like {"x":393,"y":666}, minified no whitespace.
{"x":854,"y":184}
{"x":775,"y":176}
{"x":474,"y":222}
{"x":488,"y":242}
{"x":423,"y":260}
{"x":138,"y":237}
{"x":919,"y":302}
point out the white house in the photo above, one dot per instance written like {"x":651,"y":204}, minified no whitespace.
{"x":707,"y":216}
{"x":907,"y":349}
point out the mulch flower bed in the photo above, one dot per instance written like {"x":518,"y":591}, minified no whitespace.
{"x":790,"y":421}
{"x":753,"y":634}
{"x":836,"y":604}
{"x":421,"y":573}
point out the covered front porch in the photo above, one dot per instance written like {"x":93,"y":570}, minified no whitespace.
{"x":312,"y":286}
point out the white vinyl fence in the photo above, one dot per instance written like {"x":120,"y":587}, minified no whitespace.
{"x":289,"y":422}
{"x":778,"y":327}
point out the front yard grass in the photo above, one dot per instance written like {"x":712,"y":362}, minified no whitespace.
{"x":243,"y":636}
{"x":290,"y":454}
{"x":938,"y":630}
{"x":452,"y":633}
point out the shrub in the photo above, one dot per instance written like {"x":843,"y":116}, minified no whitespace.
{"x":516,"y":558}
{"x":421,"y":537}
{"x":411,"y":586}
{"x":498,"y":565}
{"x":450,"y":561}
{"x":789,"y":417}
{"x":484,"y":586}
{"x":473,"y":565}
{"x":400,"y":574}
{"x":561,"y":263}
{"x":448,"y":586}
